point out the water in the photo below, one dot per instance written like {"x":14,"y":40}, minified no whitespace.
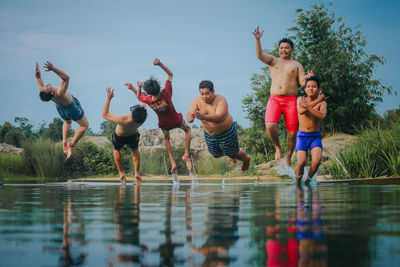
{"x":93,"y":224}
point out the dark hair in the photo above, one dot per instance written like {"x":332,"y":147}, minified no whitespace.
{"x":139,"y":114}
{"x":206,"y":84}
{"x":313,"y":78}
{"x":286,"y":40}
{"x":152,"y":86}
{"x":45,"y":96}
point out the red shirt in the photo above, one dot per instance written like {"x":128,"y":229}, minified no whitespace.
{"x":168,"y":118}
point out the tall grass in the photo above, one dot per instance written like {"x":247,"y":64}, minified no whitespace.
{"x":44,"y":158}
{"x":375,"y":153}
{"x":11,"y":165}
{"x":210,"y":165}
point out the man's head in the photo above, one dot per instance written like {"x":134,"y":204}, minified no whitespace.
{"x":47,"y":93}
{"x":139,"y":113}
{"x":206,"y":88}
{"x":152,"y":86}
{"x":312,"y":86}
{"x":286,"y":47}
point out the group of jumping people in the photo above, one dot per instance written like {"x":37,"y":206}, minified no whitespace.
{"x":303,"y":115}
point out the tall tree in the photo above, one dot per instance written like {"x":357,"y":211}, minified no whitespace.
{"x":336,"y":53}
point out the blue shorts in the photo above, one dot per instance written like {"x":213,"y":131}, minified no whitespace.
{"x":226,"y":143}
{"x":307,"y":141}
{"x":73,"y":111}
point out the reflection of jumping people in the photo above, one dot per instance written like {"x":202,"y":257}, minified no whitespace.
{"x":312,"y":110}
{"x":284,"y":75}
{"x":126,"y":133}
{"x":219,"y":128}
{"x":221,"y":231}
{"x":68,"y":107}
{"x":312,"y":250}
{"x":282,"y":246}
{"x":168,"y":118}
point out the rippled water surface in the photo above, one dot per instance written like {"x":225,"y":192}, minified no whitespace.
{"x":93,"y":224}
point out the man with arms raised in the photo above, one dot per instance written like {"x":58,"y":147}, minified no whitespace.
{"x":285,"y":72}
{"x":126,"y":133}
{"x":68,"y":107}
{"x":219,"y":128}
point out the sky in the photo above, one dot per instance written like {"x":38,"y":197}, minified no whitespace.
{"x":102,"y":44}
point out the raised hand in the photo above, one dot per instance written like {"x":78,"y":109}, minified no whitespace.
{"x":257,"y":32}
{"x":139,"y":84}
{"x":156,"y":62}
{"x":129,"y":85}
{"x":308,"y":75}
{"x":110,"y":92}
{"x":37,"y":71}
{"x":48,"y":66}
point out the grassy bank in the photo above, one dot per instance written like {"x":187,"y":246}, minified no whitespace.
{"x":375,"y":153}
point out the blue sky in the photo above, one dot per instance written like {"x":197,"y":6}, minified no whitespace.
{"x":106,"y":43}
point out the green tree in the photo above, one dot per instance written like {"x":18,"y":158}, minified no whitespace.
{"x":336,"y":53}
{"x":5,"y":128}
{"x":107,"y":128}
{"x":24,"y":126}
{"x":54,"y":131}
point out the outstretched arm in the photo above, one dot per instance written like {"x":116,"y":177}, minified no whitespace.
{"x":64,"y":77}
{"x":120,"y":119}
{"x":157,"y":62}
{"x":39,"y":77}
{"x":266,"y":58}
{"x":193,"y":109}
{"x":133,"y":89}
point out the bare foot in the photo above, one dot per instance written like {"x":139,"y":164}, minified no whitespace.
{"x":298,"y":179}
{"x":186,"y":159}
{"x":246,"y":164}
{"x":278,"y":152}
{"x":288,"y":161}
{"x":69,"y":150}
{"x":65,"y":148}
{"x":173,"y":169}
{"x":122,"y":179}
{"x":139,"y":180}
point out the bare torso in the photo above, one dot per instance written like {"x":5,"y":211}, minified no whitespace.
{"x":284,"y":76}
{"x":62,"y":100}
{"x":213,"y":128}
{"x":308,"y":122}
{"x":128,"y":129}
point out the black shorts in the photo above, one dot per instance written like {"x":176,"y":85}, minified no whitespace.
{"x":119,"y":141}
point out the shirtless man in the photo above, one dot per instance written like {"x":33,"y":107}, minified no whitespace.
{"x":312,"y":110}
{"x":126,"y":133}
{"x":162,"y":105}
{"x":284,"y":75}
{"x":68,"y":107}
{"x":219,"y":129}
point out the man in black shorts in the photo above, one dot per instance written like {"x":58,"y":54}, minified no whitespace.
{"x":126,"y":133}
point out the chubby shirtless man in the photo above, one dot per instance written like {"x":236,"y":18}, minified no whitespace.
{"x":68,"y":107}
{"x":285,"y":72}
{"x":126,"y":133}
{"x":219,"y":128}
{"x":312,"y":110}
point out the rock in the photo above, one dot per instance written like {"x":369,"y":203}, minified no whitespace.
{"x":6,"y":148}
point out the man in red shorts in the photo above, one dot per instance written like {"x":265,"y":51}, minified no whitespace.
{"x":284,"y":75}
{"x":168,"y":118}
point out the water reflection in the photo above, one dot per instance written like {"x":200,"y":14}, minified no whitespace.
{"x":207,"y":225}
{"x":310,"y":232}
{"x":221,"y":230}
{"x":73,"y":238}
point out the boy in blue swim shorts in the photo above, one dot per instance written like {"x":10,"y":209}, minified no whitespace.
{"x":312,"y":110}
{"x":68,"y":107}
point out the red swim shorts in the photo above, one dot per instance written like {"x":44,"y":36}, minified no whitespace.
{"x":278,"y":104}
